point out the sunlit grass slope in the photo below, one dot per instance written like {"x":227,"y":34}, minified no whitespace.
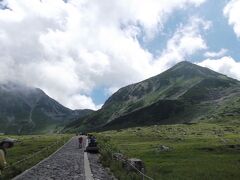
{"x":197,"y":151}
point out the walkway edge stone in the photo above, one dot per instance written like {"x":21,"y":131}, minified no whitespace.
{"x":87,"y":169}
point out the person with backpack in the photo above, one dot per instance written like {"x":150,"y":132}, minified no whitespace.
{"x":5,"y":144}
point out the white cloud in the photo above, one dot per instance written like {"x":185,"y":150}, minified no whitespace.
{"x":231,"y":11}
{"x":212,"y":54}
{"x":81,"y":102}
{"x":186,"y":41}
{"x":68,"y":49}
{"x":225,"y":65}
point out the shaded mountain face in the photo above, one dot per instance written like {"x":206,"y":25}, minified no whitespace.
{"x":184,"y":93}
{"x":29,"y":110}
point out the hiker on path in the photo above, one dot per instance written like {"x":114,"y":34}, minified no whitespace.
{"x":5,"y":144}
{"x":80,"y":141}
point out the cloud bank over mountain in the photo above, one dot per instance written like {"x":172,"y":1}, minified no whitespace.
{"x":69,"y":48}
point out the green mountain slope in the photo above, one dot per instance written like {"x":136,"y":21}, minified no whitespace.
{"x":184,"y":93}
{"x":27,"y":110}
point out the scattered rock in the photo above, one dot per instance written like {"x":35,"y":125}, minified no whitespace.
{"x":163,"y":148}
{"x":108,"y":170}
{"x":179,"y":139}
{"x":224,"y":140}
{"x":133,"y":162}
{"x":117,"y":156}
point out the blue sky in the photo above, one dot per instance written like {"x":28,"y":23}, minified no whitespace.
{"x":219,"y":36}
{"x":80,"y":52}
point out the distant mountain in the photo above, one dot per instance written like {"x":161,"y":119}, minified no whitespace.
{"x":27,"y":110}
{"x":184,"y":93}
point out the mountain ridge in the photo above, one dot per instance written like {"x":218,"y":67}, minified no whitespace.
{"x":185,"y":82}
{"x":27,"y":110}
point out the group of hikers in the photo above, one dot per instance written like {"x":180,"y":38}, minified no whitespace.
{"x":4,"y":145}
{"x":91,"y":140}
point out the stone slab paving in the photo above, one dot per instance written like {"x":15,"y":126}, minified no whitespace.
{"x":66,"y":164}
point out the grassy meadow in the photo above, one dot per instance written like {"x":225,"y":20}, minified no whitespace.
{"x":29,"y":150}
{"x":197,"y":151}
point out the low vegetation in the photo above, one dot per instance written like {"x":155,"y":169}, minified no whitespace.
{"x":29,"y":150}
{"x":194,"y":151}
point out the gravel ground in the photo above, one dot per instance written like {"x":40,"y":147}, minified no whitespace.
{"x":98,"y":171}
{"x":65,"y":164}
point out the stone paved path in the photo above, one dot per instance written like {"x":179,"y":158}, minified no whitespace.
{"x":68,"y":163}
{"x":65,"y":164}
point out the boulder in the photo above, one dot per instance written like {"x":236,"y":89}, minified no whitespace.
{"x":118,"y":156}
{"x":134,"y":164}
{"x":163,"y":148}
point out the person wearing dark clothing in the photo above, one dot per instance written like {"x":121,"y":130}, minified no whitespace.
{"x":80,"y":140}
